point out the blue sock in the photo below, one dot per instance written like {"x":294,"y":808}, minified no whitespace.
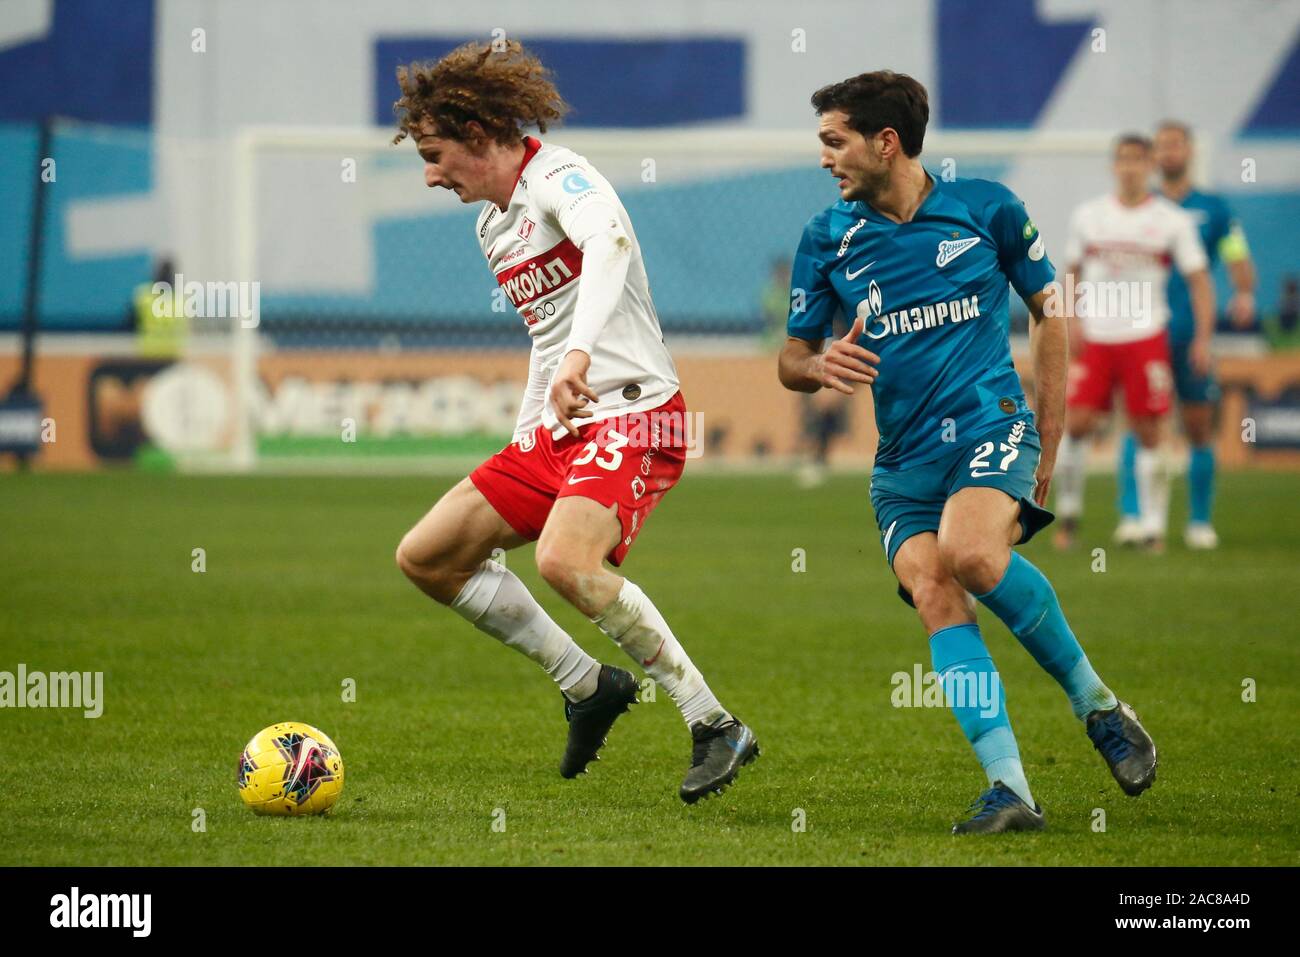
{"x":974,"y":693}
{"x":1126,"y":477}
{"x":1027,"y":604}
{"x":1200,"y":482}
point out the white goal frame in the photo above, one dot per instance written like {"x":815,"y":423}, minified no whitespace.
{"x":760,"y":146}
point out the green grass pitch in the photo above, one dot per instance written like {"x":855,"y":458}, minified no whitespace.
{"x":301,"y":593}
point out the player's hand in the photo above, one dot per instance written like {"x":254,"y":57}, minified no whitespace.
{"x":846,"y":360}
{"x":1200,"y":356}
{"x":1043,"y":477}
{"x":1241,"y":309}
{"x":570,"y":392}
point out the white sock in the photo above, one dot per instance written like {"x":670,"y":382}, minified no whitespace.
{"x":497,"y":602}
{"x":1153,"y":491}
{"x":1070,"y":476}
{"x":636,"y":626}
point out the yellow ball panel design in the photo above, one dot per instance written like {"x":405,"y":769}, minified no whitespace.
{"x":290,"y":768}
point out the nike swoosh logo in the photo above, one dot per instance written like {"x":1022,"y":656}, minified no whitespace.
{"x":950,"y":250}
{"x":306,"y":749}
{"x":574,"y":480}
{"x":982,"y":474}
{"x":854,"y":275}
{"x":658,"y":651}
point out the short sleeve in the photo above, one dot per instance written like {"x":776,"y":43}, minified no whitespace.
{"x":1021,"y":251}
{"x":813,"y":303}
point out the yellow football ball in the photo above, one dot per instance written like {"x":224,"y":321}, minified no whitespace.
{"x":290,"y":768}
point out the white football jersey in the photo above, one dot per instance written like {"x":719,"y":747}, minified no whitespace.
{"x":1124,"y":254}
{"x":537,"y":265}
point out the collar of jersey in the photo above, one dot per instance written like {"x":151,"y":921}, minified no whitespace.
{"x":866,"y":211}
{"x":531,"y":146}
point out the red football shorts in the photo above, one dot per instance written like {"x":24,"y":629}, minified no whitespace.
{"x":1142,"y":368}
{"x":628,"y":461}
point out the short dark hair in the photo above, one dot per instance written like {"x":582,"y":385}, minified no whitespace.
{"x":1132,"y":139}
{"x":1178,"y":125}
{"x":874,"y":101}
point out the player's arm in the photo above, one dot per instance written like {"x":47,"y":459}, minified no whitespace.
{"x":1190,"y":259}
{"x":1049,"y":350}
{"x":802,"y":365}
{"x":1201,"y":291}
{"x":1066,"y":307}
{"x":1069,"y":310}
{"x":1235,"y":254}
{"x":1023,"y":258}
{"x":606,"y":255}
{"x":592,"y":223}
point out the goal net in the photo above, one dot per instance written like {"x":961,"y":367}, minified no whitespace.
{"x":381,"y":337}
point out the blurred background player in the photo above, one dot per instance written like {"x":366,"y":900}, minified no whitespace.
{"x":600,"y":437}
{"x":1118,"y":254}
{"x":160,"y":333}
{"x":1198,"y":393}
{"x":925,"y":265}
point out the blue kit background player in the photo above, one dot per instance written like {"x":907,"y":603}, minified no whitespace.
{"x":1198,"y":393}
{"x":923,"y":266}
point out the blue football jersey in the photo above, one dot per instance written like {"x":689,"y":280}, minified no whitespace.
{"x":933,"y":293}
{"x":1214,"y":222}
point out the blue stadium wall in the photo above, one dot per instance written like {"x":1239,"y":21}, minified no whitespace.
{"x":988,"y":63}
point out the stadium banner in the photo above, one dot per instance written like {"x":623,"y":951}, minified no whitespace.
{"x":446,"y":410}
{"x":1276,"y":422}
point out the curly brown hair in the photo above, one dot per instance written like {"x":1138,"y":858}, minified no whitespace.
{"x":500,"y":89}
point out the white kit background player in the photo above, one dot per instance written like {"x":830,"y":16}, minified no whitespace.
{"x":1119,"y":251}
{"x":601,"y":432}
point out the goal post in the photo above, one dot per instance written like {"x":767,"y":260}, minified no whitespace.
{"x":376,"y":308}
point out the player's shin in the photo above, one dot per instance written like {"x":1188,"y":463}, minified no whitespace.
{"x":1153,"y":492}
{"x":636,"y":626}
{"x":973,"y":692}
{"x":1070,"y":476}
{"x":1126,"y":477}
{"x":495,"y":601}
{"x":1027,"y":604}
{"x":1200,"y":483}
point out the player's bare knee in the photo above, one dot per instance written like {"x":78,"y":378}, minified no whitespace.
{"x":405,"y":557}
{"x":577,"y":580}
{"x":977,"y":567}
{"x":938,"y":599}
{"x":435,"y":577}
{"x":555,"y":567}
{"x":411,"y":566}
